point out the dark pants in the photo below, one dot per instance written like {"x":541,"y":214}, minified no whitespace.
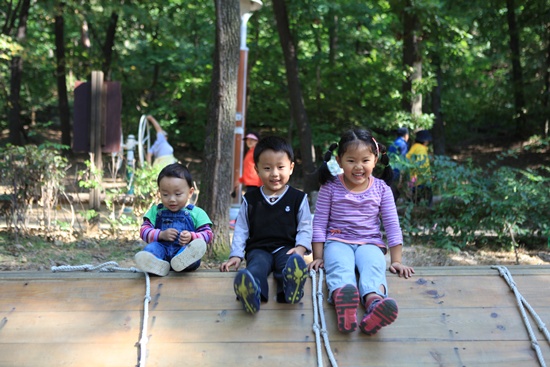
{"x":261,"y":263}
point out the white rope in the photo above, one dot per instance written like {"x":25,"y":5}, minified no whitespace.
{"x":111,"y":266}
{"x":144,"y":338}
{"x":316,"y":328}
{"x":522,"y":304}
{"x":318,"y":310}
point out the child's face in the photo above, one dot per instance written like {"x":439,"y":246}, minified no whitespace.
{"x":274,"y":169}
{"x":251,"y":143}
{"x":358,"y":163}
{"x":174,"y":193}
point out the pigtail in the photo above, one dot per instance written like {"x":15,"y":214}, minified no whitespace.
{"x":387,"y":174}
{"x":323,"y":173}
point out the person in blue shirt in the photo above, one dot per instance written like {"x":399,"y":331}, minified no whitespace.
{"x":399,"y":145}
{"x":398,"y":148}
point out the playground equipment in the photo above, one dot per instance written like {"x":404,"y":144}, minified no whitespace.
{"x":130,"y":161}
{"x":144,"y":139}
{"x":142,"y":143}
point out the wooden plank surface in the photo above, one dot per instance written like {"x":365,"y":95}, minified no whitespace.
{"x":448,"y":316}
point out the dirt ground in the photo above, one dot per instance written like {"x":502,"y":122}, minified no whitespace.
{"x":35,"y":255}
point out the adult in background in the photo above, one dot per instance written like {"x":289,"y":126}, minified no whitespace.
{"x":161,"y":150}
{"x":250,"y":178}
{"x":398,"y":148}
{"x":399,"y":145}
{"x":421,"y":176}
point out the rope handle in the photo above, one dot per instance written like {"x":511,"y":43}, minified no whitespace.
{"x":111,"y":266}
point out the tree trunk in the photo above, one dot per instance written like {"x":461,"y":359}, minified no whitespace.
{"x":298,"y":109}
{"x":438,"y":128}
{"x":216,"y":184}
{"x":63,"y":100}
{"x":17,"y":133}
{"x":411,"y":102}
{"x":517,"y":73}
{"x":546,"y":95}
{"x":109,"y":44}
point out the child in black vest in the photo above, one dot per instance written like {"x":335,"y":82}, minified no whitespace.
{"x":272,"y":231}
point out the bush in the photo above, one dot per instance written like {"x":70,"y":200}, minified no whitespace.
{"x":501,"y":206}
{"x":30,"y":174}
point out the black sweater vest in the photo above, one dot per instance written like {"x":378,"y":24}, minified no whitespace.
{"x":273,"y":226}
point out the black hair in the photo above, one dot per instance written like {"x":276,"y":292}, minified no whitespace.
{"x":402,"y":131}
{"x":423,"y":136}
{"x":177,"y":170}
{"x":274,"y":143}
{"x":353,"y":138}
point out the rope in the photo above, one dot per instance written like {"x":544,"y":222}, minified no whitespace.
{"x":318,"y":312}
{"x":112,"y":266}
{"x":316,"y":328}
{"x":523,"y":304}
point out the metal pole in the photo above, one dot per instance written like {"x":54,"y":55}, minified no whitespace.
{"x":96,"y":123}
{"x":247,"y":7}
{"x":240,"y":120}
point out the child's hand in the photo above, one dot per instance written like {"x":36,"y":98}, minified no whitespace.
{"x":401,"y":270}
{"x":300,"y":250}
{"x":316,"y":264}
{"x":234,"y":261}
{"x":185,"y":238}
{"x":169,"y":234}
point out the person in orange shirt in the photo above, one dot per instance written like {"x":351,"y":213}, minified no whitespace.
{"x":250,"y":178}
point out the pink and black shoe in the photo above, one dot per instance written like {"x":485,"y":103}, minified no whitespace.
{"x":380,"y":313}
{"x":346,"y":300}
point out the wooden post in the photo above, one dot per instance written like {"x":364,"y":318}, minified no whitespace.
{"x":96,"y":125}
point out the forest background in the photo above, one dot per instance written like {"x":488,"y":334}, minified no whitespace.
{"x":477,"y":74}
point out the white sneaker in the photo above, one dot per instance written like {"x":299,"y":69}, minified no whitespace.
{"x":190,"y":254}
{"x":149,"y":263}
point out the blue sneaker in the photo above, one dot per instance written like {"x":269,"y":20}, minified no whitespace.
{"x":294,"y":278}
{"x":247,"y":291}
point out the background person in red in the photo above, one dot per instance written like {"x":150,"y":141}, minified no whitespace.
{"x":250,"y":178}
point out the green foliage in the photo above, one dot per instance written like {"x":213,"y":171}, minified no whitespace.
{"x":350,"y":64}
{"x":28,"y":175}
{"x":504,"y":207}
{"x":351,"y":75}
{"x":145,"y":189}
{"x":124,"y":206}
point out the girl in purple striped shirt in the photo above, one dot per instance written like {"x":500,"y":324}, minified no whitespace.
{"x":347,"y":237}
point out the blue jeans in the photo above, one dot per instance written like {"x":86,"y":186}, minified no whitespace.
{"x":261,"y":263}
{"x":343,"y":259}
{"x":166,"y":250}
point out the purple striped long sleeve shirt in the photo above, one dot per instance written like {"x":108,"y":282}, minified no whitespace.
{"x":356,"y":218}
